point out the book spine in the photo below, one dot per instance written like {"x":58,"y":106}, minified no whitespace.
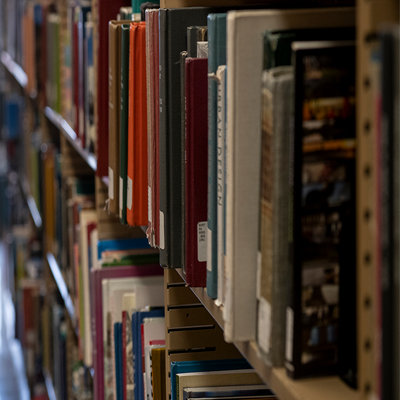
{"x":123,"y":138}
{"x":163,"y":143}
{"x":124,"y":360}
{"x":157,"y":127}
{"x":212,"y":268}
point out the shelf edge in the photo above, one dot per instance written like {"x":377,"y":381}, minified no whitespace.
{"x":33,"y":209}
{"x":49,"y":385}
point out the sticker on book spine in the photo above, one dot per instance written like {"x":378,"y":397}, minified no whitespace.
{"x":209,"y":249}
{"x":289,"y":334}
{"x":149,"y":203}
{"x":121,"y":196}
{"x":202,"y":241}
{"x":110,"y":183}
{"x":162,"y":241}
{"x":264,"y":325}
{"x":129,"y":194}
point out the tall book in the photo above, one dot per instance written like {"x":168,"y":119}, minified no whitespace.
{"x":216,"y":24}
{"x":173,"y":26}
{"x":114,"y":111}
{"x":196,"y":171}
{"x":244,"y":54}
{"x":322,"y":236}
{"x":103,"y":12}
{"x":123,"y":137}
{"x":277,"y":99}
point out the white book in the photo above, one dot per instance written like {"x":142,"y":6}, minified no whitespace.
{"x":85,"y":217}
{"x":244,"y":63}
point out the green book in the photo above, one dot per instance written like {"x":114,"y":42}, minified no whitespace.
{"x":136,"y":5}
{"x":277,"y":45}
{"x":125,"y":13}
{"x":123,"y":137}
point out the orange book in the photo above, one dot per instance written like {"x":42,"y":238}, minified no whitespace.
{"x":136,"y":214}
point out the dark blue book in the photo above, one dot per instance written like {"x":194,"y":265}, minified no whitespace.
{"x":117,"y":343}
{"x":216,"y":24}
{"x":137,"y":320}
{"x":203,"y":366}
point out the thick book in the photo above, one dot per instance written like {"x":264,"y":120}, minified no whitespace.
{"x":202,"y":366}
{"x":105,"y":11}
{"x":96,"y":278}
{"x":173,"y":26}
{"x":216,"y":24}
{"x":244,"y":65}
{"x":123,"y":137}
{"x":114,"y":113}
{"x":196,"y":171}
{"x":277,"y":99}
{"x":137,"y":189}
{"x":322,"y":216}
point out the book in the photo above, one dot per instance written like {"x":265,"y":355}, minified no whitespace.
{"x":215,"y":378}
{"x":114,"y":111}
{"x":137,"y":191}
{"x":123,"y":137}
{"x":158,"y":373}
{"x":277,"y":99}
{"x":238,"y":391}
{"x":244,"y":52}
{"x":196,"y":171}
{"x":173,"y":26}
{"x":137,"y":320}
{"x":195,"y":34}
{"x":216,"y":24}
{"x":96,"y":278}
{"x":104,"y":12}
{"x":121,"y":245}
{"x":202,"y":366}
{"x":322,"y":207}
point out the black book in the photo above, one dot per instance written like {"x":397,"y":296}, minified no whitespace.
{"x":321,"y":317}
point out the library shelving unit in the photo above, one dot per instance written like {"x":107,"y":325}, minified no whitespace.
{"x":370,"y":13}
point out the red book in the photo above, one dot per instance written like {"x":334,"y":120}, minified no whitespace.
{"x":196,"y":170}
{"x":156,"y":63}
{"x":107,"y":11}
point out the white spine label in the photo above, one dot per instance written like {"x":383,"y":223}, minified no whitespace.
{"x":162,"y":242}
{"x":129,"y":194}
{"x":149,"y":203}
{"x":202,"y":241}
{"x":111,"y":183}
{"x":209,"y":249}
{"x":264,"y":325}
{"x":289,"y":334}
{"x":121,"y":194}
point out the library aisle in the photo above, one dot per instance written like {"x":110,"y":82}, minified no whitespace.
{"x":13,"y":382}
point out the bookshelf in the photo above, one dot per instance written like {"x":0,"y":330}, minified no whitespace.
{"x":62,"y":287}
{"x":327,"y":388}
{"x":33,"y":209}
{"x":49,"y":385}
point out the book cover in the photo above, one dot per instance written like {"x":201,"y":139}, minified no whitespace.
{"x":244,"y":41}
{"x":196,"y":171}
{"x":277,"y":99}
{"x":97,"y":276}
{"x":158,"y":373}
{"x":114,"y":111}
{"x":322,"y":207}
{"x":202,"y":366}
{"x":173,"y":26}
{"x":242,"y":391}
{"x":105,"y":11}
{"x":123,"y":138}
{"x":216,"y":24}
{"x":215,"y":378}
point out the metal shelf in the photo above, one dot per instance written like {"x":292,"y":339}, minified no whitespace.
{"x":49,"y":385}
{"x":17,"y":72}
{"x":62,"y":287}
{"x":71,"y":136}
{"x":33,"y":209}
{"x":327,"y":388}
